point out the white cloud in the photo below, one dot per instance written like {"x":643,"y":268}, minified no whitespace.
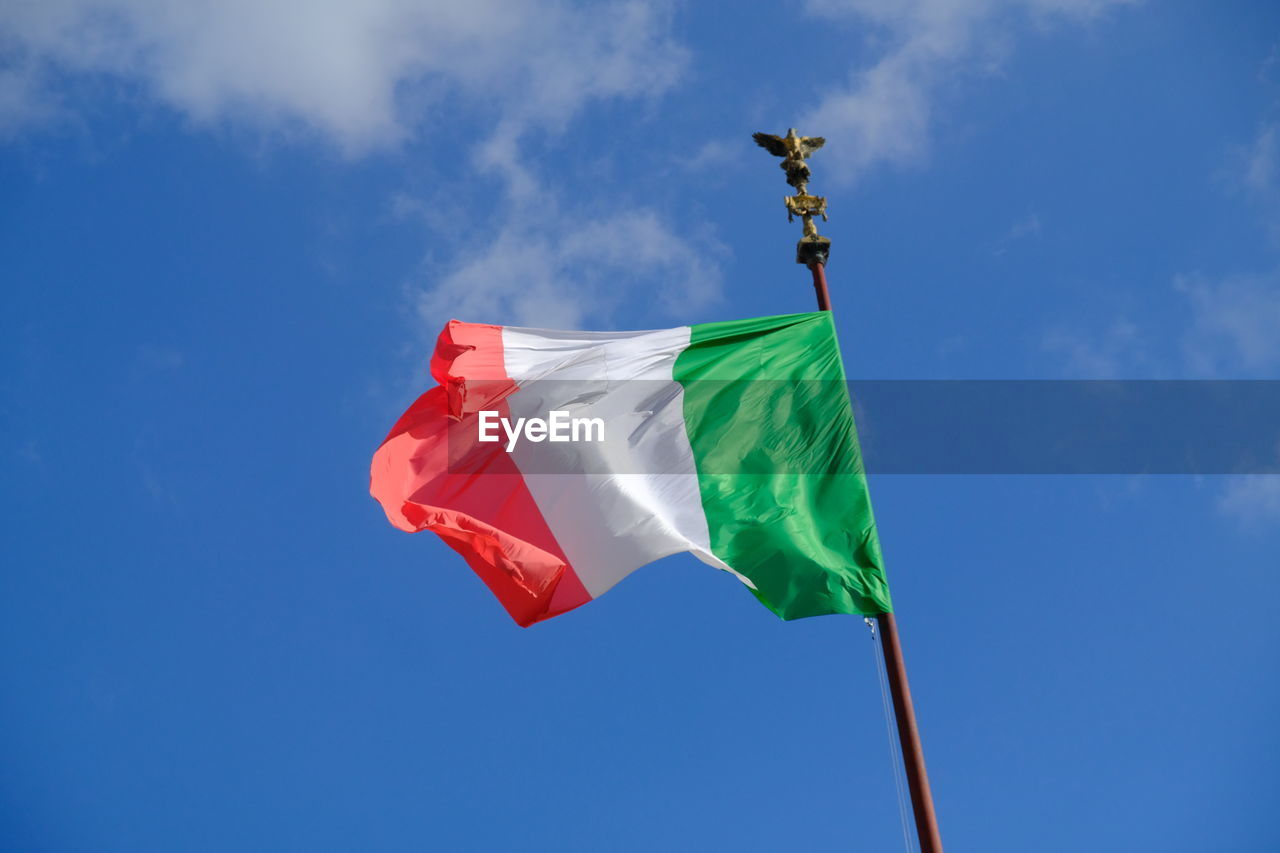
{"x":365,"y":74}
{"x":476,"y":80}
{"x":1252,"y":499}
{"x":713,"y":156}
{"x":555,"y":260}
{"x":1117,"y":353}
{"x":1253,"y":169}
{"x":1235,"y":326}
{"x":1259,"y":172}
{"x":545,"y":269}
{"x":1230,"y":333}
{"x":883,"y":114}
{"x":1028,"y":226}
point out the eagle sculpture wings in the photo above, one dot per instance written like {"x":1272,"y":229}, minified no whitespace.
{"x":789,"y":147}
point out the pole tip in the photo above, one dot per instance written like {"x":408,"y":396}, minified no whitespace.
{"x":813,"y":249}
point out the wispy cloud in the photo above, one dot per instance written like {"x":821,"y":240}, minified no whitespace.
{"x":713,"y":154}
{"x":884,"y":114}
{"x":1236,"y":319}
{"x":1232,"y":319}
{"x":1028,"y":226}
{"x":477,"y":81}
{"x":1230,"y":332}
{"x":1231,"y":326}
{"x":1252,"y":499}
{"x":555,"y":261}
{"x":365,"y":75}
{"x":1253,"y":170}
{"x":543,"y":268}
{"x":1235,"y":326}
{"x":1118,"y":352}
{"x":1259,"y":173}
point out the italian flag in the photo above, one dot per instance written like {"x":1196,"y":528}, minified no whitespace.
{"x":731,"y":441}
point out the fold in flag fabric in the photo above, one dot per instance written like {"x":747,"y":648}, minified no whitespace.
{"x":732,"y":441}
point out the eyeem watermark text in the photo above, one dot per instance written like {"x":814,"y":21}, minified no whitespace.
{"x":558,"y":426}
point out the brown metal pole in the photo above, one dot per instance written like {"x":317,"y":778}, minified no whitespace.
{"x":820,"y":286}
{"x":903,"y":710}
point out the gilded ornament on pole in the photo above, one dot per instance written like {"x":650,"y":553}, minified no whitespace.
{"x":794,"y":151}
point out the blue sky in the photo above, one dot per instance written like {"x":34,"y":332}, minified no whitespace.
{"x":232,"y":230}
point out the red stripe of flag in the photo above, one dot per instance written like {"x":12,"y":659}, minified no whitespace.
{"x":483,"y":509}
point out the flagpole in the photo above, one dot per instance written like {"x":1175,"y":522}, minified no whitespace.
{"x":812,"y":251}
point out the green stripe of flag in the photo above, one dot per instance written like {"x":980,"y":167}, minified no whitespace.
{"x":779,"y":470}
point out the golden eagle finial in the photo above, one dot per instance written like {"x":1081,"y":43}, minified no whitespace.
{"x":791,"y":147}
{"x":794,"y":150}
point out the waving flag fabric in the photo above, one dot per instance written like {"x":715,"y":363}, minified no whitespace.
{"x":732,"y":441}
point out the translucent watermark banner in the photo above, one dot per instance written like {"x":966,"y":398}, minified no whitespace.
{"x":967,"y":427}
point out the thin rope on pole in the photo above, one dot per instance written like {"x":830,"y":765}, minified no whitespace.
{"x":899,"y":783}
